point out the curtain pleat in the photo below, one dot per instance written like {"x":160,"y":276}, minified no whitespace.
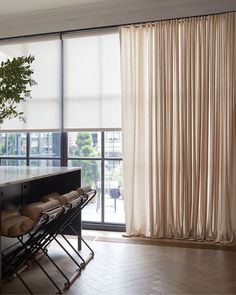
{"x":179,"y":128}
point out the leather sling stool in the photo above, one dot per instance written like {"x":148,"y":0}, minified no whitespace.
{"x":33,"y":211}
{"x":14,"y":224}
{"x":73,"y":202}
{"x":62,"y":199}
{"x":66,"y":201}
{"x":27,"y":226}
{"x":76,"y":205}
{"x":38,"y":224}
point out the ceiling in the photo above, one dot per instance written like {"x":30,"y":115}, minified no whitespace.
{"x":17,"y":7}
{"x":29,"y":17}
{"x":13,"y":7}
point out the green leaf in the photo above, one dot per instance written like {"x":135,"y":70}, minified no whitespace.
{"x":15,"y":85}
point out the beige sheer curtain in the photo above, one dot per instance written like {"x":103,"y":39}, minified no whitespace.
{"x":179,"y":127}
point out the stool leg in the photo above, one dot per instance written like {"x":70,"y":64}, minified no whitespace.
{"x":68,"y":253}
{"x":91,"y":254}
{"x":19,"y":276}
{"x":82,"y":265}
{"x":43,"y":270}
{"x":67,"y":284}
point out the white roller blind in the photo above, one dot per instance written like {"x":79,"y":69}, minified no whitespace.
{"x":42,"y":112}
{"x":92,"y":81}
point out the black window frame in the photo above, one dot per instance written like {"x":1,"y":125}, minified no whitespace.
{"x":63,"y":158}
{"x":64,"y":136}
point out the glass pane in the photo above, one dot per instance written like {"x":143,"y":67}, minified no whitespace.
{"x":92,"y":81}
{"x":13,"y":144}
{"x":84,"y":144}
{"x":114,"y":201}
{"x":45,"y":144}
{"x":91,"y":174}
{"x":12,"y":162}
{"x":45,"y":163}
{"x":113,"y":144}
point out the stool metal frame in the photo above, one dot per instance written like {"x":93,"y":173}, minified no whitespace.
{"x":51,"y":224}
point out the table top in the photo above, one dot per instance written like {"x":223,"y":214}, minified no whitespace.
{"x":12,"y":175}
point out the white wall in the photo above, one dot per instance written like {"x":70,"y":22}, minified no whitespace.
{"x":106,"y":13}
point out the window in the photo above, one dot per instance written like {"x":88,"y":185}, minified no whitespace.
{"x":99,"y":154}
{"x":101,"y":166}
{"x":13,"y":144}
{"x":113,"y":144}
{"x":83,"y":116}
{"x":45,"y":144}
{"x":13,"y":162}
{"x":43,"y":150}
{"x":113,"y":185}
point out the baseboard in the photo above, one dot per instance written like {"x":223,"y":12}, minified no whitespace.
{"x":164,"y":242}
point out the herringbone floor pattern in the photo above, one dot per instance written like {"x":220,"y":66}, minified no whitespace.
{"x":120,"y":268}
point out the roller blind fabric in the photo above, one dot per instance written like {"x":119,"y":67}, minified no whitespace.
{"x":42,"y":112}
{"x":92,"y":81}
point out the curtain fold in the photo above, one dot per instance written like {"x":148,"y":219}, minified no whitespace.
{"x":179,"y":128}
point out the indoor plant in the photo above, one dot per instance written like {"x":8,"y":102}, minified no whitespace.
{"x":15,"y":86}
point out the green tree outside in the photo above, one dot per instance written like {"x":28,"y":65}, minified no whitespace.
{"x":90,"y":168}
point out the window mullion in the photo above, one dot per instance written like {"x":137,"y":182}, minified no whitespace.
{"x":103,"y":176}
{"x":64,"y":148}
{"x":27,"y":149}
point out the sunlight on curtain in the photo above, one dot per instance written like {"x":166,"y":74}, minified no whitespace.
{"x":179,"y":127}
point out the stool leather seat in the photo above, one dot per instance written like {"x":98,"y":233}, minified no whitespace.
{"x":16,"y":225}
{"x":35,"y":210}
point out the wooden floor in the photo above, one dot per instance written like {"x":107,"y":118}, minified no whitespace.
{"x":126,"y":268}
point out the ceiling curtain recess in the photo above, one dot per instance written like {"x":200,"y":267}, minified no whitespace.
{"x":179,"y":128}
